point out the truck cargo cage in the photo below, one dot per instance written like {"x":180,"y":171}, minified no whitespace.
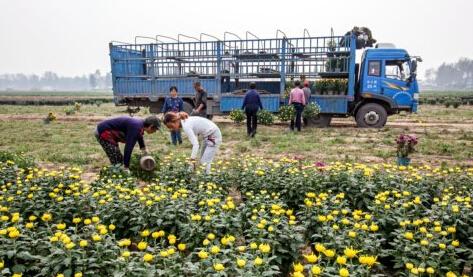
{"x":241,"y":58}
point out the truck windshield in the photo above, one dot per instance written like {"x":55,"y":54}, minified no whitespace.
{"x":398,"y":70}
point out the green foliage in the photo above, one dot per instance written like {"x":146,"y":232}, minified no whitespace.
{"x":265,"y":117}
{"x":321,"y":86}
{"x":50,"y":118}
{"x":141,"y":174}
{"x":311,"y":110}
{"x":286,"y":113}
{"x":77,"y":106}
{"x":334,"y":86}
{"x":237,"y":116}
{"x":22,"y":161}
{"x":70,"y":111}
{"x":276,"y":213}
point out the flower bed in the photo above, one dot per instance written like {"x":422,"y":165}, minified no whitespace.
{"x":279,"y":218}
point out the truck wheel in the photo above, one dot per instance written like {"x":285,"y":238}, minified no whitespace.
{"x":371,"y":115}
{"x":188,"y":107}
{"x":321,"y":121}
{"x":154,"y":109}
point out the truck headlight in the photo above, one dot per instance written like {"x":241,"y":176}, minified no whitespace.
{"x":416,"y":96}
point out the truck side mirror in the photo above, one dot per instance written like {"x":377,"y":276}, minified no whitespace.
{"x":414,"y":66}
{"x":413,"y":75}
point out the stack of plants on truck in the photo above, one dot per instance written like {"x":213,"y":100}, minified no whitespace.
{"x":249,"y":217}
{"x":335,"y":86}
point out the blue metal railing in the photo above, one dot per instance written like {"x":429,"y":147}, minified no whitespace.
{"x":246,"y":58}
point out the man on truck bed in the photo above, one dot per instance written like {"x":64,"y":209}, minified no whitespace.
{"x":200,"y":101}
{"x":126,"y":130}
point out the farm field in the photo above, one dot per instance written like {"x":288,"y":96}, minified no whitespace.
{"x":324,"y":202}
{"x":250,"y":217}
{"x":446,"y":137}
{"x":433,"y":93}
{"x":53,"y":97}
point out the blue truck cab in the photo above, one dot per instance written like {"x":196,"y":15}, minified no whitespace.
{"x":387,"y":83}
{"x":381,"y":84}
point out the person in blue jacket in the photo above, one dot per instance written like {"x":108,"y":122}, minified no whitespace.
{"x":251,"y":105}
{"x":124,"y":129}
{"x":173,"y":103}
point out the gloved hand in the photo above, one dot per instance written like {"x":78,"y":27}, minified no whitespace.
{"x":144,"y":151}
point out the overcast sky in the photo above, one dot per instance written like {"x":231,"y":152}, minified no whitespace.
{"x":71,"y":37}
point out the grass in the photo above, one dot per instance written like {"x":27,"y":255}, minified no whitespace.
{"x":447,"y":138}
{"x":438,"y":113}
{"x":86,"y":110}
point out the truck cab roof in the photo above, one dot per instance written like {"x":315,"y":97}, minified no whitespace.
{"x":386,"y":53}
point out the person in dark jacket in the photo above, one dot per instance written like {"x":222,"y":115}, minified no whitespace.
{"x":200,"y":101}
{"x":251,"y":105}
{"x":124,"y":129}
{"x":176,"y":105}
{"x":307,"y":95}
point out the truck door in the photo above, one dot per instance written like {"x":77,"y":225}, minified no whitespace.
{"x":395,"y":84}
{"x":371,"y":81}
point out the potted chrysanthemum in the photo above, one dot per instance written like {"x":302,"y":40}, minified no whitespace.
{"x":405,"y":147}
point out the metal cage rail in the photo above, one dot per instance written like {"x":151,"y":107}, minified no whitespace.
{"x":253,"y":58}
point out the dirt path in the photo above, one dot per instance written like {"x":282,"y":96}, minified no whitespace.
{"x":336,"y":123}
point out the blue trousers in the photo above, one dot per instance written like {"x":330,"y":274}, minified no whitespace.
{"x":176,"y":137}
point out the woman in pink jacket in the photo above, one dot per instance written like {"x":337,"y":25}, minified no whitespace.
{"x":297,"y":99}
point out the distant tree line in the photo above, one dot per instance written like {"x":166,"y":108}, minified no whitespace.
{"x":457,"y":75}
{"x":52,"y":81}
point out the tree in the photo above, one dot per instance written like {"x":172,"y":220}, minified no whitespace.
{"x":93,"y":81}
{"x":430,"y":75}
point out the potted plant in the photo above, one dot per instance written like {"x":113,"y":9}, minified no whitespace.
{"x":50,"y":118}
{"x":320,"y":87}
{"x":237,"y":116}
{"x":344,"y":86}
{"x":405,"y":146}
{"x":338,"y":86}
{"x":332,"y":86}
{"x":286,"y":113}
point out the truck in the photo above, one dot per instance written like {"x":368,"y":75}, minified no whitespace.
{"x":382,"y":82}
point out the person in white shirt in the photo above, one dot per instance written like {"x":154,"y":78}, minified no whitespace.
{"x":195,"y":127}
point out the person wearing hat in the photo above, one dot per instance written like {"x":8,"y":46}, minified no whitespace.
{"x":251,"y":105}
{"x":127,"y":130}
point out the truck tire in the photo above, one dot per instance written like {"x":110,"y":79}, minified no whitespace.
{"x":321,"y":121}
{"x":188,"y":107}
{"x":155,"y":108}
{"x":371,"y":115}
